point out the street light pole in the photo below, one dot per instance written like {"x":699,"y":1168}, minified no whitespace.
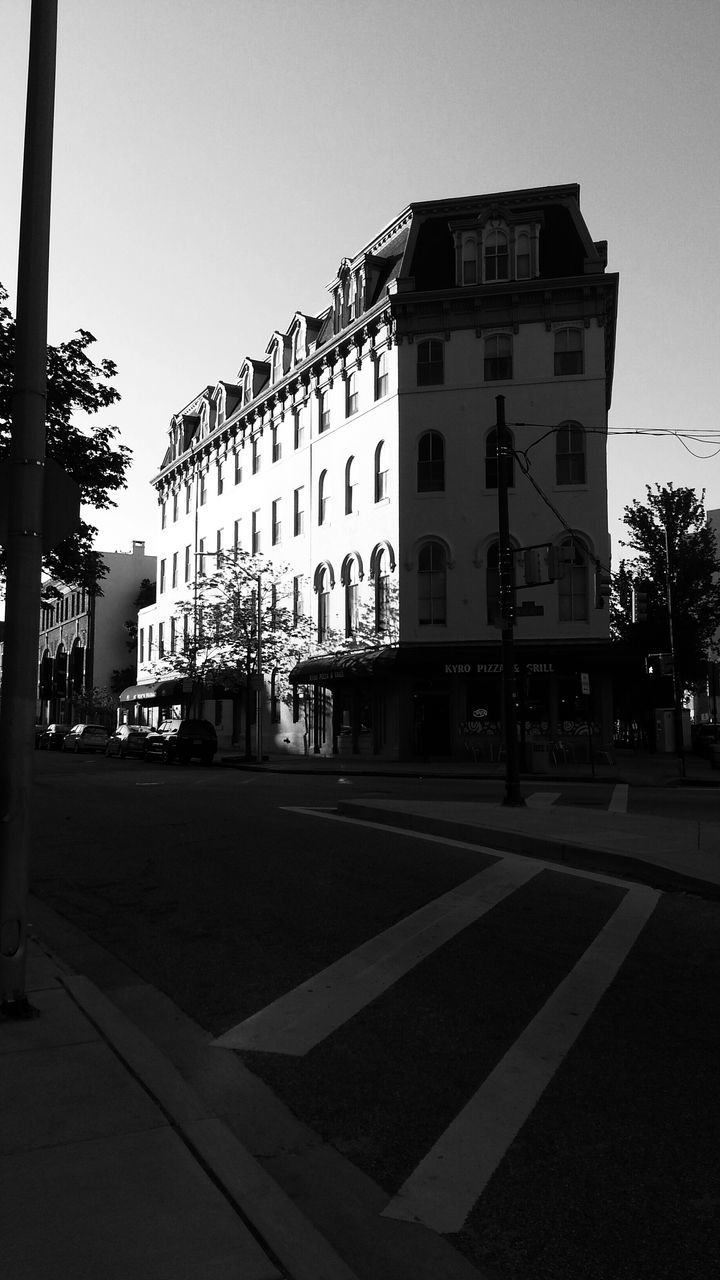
{"x":677,"y":692}
{"x":259,"y":695}
{"x":24,"y":541}
{"x":513,"y":795}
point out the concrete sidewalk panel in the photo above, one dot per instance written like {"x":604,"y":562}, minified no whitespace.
{"x":134,"y":1206}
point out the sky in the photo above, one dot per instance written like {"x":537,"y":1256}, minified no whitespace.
{"x":215,"y":159}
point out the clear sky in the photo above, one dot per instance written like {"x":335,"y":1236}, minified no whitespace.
{"x":215,"y":159}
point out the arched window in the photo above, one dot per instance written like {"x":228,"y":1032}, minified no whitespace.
{"x":573,"y":581}
{"x":568,"y":352}
{"x":351,"y":580}
{"x":432,"y":584}
{"x":323,"y":616}
{"x":496,"y":258}
{"x":323,"y":498}
{"x":498,"y":357}
{"x":491,"y":460}
{"x":570,"y":454}
{"x":381,"y":475}
{"x":350,"y":487}
{"x":382,"y":591}
{"x":430,"y":363}
{"x":431,"y":463}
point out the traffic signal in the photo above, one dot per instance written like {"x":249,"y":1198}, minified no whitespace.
{"x":603,"y":584}
{"x":639,"y":602}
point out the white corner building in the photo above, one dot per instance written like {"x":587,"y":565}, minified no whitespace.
{"x":360,"y":449}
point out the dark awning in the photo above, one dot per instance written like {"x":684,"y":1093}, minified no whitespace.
{"x":169,"y":689}
{"x":338,"y":666}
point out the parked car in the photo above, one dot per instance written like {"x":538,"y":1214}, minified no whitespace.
{"x":182,"y":740}
{"x":85,"y":737}
{"x":127,"y":740}
{"x":54,"y":736}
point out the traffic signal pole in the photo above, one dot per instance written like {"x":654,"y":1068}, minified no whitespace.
{"x":23,"y":547}
{"x":512,"y":795}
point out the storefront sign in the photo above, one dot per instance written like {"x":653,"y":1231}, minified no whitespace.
{"x":495,"y":668}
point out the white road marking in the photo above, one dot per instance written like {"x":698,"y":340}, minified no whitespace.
{"x":542,"y":799}
{"x":450,"y":1179}
{"x":559,"y":868}
{"x":619,"y":798}
{"x":304,"y":1017}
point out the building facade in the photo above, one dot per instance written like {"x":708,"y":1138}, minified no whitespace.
{"x":361,"y":451}
{"x":83,"y":639}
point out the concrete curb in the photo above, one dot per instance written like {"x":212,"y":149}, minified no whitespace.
{"x":562,"y":852}
{"x":279,"y":1227}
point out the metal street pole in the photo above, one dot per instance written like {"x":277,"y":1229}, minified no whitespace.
{"x":259,"y":702}
{"x":512,"y":796}
{"x":677,"y":691}
{"x":23,"y":549}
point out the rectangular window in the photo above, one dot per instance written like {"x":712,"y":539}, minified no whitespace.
{"x":201,"y":558}
{"x":299,"y":511}
{"x":188,"y":563}
{"x":162,"y":576}
{"x":498,"y":358}
{"x":351,"y":395}
{"x":381,"y":375}
{"x":186,"y":632}
{"x":163,"y":514}
{"x":220,"y":480}
{"x":298,"y":429}
{"x":256,"y":455}
{"x":568,"y":352}
{"x":430,"y":363}
{"x":236,"y":535}
{"x":298,"y":608}
{"x":173,"y":634}
{"x":188,"y":498}
{"x":276,"y":445}
{"x":150,"y":643}
{"x":142,"y":644}
{"x":324,"y":411}
{"x":161,"y":640}
{"x":256,"y":538}
{"x":175,"y":569}
{"x":218,"y":547}
{"x":276,"y":522}
{"x":238,"y":467}
{"x":176,"y":503}
{"x":203,"y":489}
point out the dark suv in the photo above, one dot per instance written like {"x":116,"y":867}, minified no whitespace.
{"x":182,"y":740}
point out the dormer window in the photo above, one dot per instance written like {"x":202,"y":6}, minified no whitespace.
{"x":469,"y":260}
{"x":522,"y":256}
{"x":496,"y":257}
{"x":247,"y":394}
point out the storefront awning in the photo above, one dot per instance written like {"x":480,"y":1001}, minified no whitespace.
{"x":339,"y":666}
{"x":169,"y":689}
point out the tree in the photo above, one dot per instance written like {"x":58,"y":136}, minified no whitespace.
{"x":75,"y":385}
{"x":676,"y":558}
{"x":145,"y":596}
{"x":230,"y":638}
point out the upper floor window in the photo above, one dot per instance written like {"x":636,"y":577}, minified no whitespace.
{"x":351,"y":394}
{"x":382,"y":591}
{"x":496,"y":258}
{"x":238,"y":466}
{"x":573,"y":581}
{"x":276,"y":445}
{"x":188,"y":498}
{"x":220,"y":478}
{"x":247,"y":388}
{"x":568,"y":352}
{"x":299,"y":511}
{"x":324,"y":410}
{"x":491,"y":460}
{"x":163,"y":514}
{"x":201,"y":558}
{"x":469,"y":260}
{"x":176,"y":506}
{"x":431,"y":463}
{"x":188,"y":563}
{"x":255,"y":533}
{"x":430,"y":363}
{"x":203,"y":488}
{"x":323,"y":498}
{"x":298,"y":429}
{"x":498,"y":357}
{"x":255,"y":455}
{"x":381,"y":375}
{"x":523,"y":268}
{"x":323,"y":589}
{"x":276,"y":363}
{"x":175,"y":569}
{"x":352,"y":578}
{"x":570,"y":454}
{"x":276,"y":523}
{"x":162,"y":576}
{"x":432,"y":584}
{"x":381,"y":474}
{"x":298,"y":605}
{"x":350,"y":487}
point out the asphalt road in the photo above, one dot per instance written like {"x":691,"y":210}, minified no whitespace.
{"x":570,"y":1023}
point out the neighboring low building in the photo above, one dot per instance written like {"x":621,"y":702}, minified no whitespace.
{"x":83,"y":637}
{"x":361,"y":451}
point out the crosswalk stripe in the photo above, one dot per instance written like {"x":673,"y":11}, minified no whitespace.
{"x":303,"y":1017}
{"x":446,"y":1184}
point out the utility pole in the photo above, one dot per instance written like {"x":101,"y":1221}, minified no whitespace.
{"x":24,"y":540}
{"x":677,"y":691}
{"x":512,"y":796}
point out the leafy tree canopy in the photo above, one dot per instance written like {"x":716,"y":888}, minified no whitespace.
{"x":675,"y":550}
{"x":75,"y":385}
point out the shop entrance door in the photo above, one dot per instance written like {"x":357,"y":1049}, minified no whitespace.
{"x":432,"y":724}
